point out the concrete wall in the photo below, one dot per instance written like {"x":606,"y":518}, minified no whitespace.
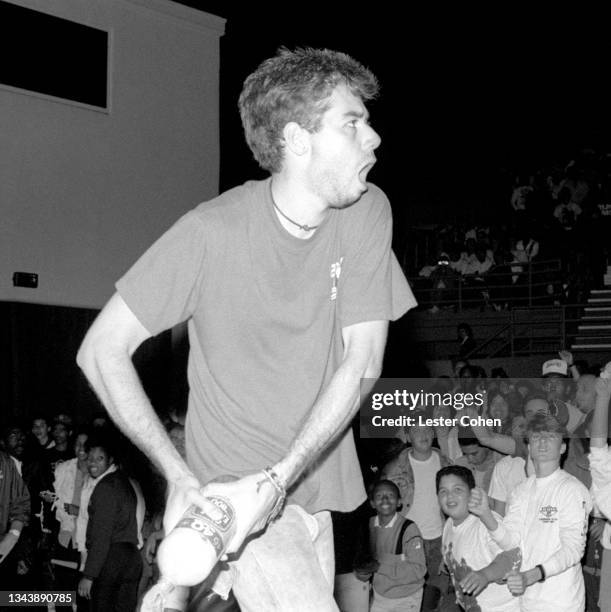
{"x":83,"y":191}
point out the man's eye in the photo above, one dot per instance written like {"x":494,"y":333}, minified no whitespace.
{"x":352,"y":123}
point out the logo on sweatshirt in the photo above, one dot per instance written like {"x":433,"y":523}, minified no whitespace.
{"x":548,"y":514}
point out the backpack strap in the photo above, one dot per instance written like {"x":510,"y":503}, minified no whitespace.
{"x":399,"y":546}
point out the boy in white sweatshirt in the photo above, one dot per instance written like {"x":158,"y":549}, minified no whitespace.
{"x":548,"y":518}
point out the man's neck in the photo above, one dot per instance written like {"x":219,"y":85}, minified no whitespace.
{"x":545,"y":468}
{"x":297,"y":203}
{"x":420,"y":455}
{"x":61,"y":447}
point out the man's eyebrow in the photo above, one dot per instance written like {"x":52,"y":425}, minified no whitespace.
{"x":357,"y":114}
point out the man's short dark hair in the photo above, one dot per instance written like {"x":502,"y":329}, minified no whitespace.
{"x":295,"y":86}
{"x":465,"y":474}
{"x":384,"y":482}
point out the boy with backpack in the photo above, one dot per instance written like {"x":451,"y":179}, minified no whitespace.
{"x":398,"y":548}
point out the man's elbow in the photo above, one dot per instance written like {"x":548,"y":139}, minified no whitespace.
{"x":86,"y":356}
{"x":95,"y":350}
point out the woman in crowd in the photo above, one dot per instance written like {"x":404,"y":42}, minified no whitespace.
{"x":499,"y":408}
{"x":113,"y":565}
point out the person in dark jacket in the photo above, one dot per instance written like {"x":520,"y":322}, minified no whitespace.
{"x":14,"y":515}
{"x":113,"y":564}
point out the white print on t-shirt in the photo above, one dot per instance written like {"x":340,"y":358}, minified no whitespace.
{"x":336,"y":270}
{"x":548,"y":514}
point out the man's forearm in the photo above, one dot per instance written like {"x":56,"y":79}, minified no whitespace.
{"x":338,"y":403}
{"x":498,"y":442}
{"x":329,"y":417}
{"x":113,"y":377}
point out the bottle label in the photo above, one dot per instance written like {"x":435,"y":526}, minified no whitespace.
{"x":212,"y":526}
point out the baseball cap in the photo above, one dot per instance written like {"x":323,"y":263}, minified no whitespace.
{"x":555,"y":366}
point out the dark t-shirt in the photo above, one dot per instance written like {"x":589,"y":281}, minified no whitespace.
{"x":266,"y":312}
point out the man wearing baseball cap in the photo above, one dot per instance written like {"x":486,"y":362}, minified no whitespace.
{"x":556,"y":384}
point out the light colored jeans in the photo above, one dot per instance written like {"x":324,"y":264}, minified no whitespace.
{"x":289,"y":568}
{"x":411,"y":603}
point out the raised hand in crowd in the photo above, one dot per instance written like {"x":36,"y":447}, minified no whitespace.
{"x":600,"y":419}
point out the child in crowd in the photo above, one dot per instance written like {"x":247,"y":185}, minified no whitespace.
{"x":413,"y":471}
{"x":398,"y":548}
{"x":475,"y":562}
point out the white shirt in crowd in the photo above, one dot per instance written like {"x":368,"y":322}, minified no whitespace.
{"x":548,"y":519}
{"x":600,"y":468}
{"x":508,"y":473}
{"x":425,"y":511}
{"x":469,"y":544}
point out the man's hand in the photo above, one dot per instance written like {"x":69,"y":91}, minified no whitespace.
{"x":84,"y":587}
{"x":516,"y":583}
{"x":6,"y":545}
{"x":474,"y":583}
{"x":567,"y":357}
{"x":253,"y":497}
{"x":182,"y":493}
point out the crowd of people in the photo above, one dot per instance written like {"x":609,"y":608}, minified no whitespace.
{"x":515,"y":525}
{"x":509,"y":514}
{"x":74,"y":514}
{"x":556,"y":214}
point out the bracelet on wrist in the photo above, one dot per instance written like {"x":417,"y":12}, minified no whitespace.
{"x":543,"y":576}
{"x":272,"y":477}
{"x":15,"y":532}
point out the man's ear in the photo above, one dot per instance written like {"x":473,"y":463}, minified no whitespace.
{"x":296,"y":139}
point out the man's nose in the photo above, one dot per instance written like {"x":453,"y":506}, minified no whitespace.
{"x":372,"y":139}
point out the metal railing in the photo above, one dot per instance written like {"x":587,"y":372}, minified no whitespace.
{"x":530,"y":284}
{"x":515,"y":333}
